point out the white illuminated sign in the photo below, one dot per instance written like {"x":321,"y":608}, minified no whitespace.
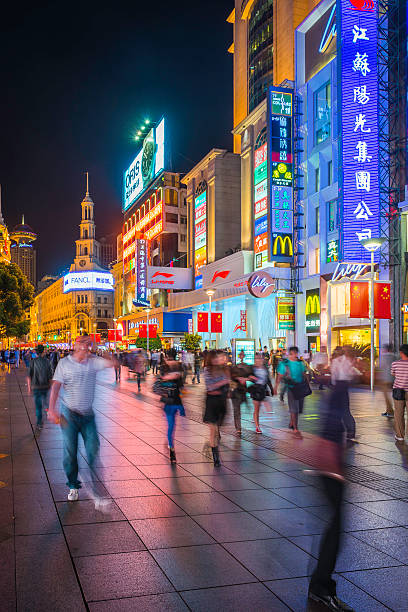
{"x":145,"y":167}
{"x":83,"y":281}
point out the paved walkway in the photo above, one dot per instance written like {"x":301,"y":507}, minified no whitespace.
{"x":190,"y":537}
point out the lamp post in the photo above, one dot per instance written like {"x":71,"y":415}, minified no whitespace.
{"x":147,"y":328}
{"x":210,"y":293}
{"x":114,"y":330}
{"x":372,"y":245}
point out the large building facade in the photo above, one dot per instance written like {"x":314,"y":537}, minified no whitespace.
{"x":81,"y":301}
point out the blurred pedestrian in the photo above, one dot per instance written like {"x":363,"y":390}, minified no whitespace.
{"x":330,"y":449}
{"x":292,"y":371}
{"x":17,"y":358}
{"x":240,"y":373}
{"x":117,"y":366}
{"x":217,"y":382}
{"x":197,"y":367}
{"x":385,"y":379}
{"x":171,"y":381}
{"x":343,"y":372}
{"x":266,"y":356}
{"x":76,"y":374}
{"x":399,"y":370}
{"x":38,"y":382}
{"x":258,"y":390}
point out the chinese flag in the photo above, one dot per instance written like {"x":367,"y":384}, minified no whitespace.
{"x":359,"y":300}
{"x":202,"y":321}
{"x":142,"y":330}
{"x":152,"y":330}
{"x":382,"y":300}
{"x":216,"y":322}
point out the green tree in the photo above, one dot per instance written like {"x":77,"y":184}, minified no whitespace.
{"x":191,"y":342}
{"x":154,"y":343}
{"x":16,"y":295}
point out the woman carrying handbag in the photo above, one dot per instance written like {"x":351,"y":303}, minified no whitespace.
{"x":399,"y":369}
{"x":258,"y":390}
{"x":293,"y":372}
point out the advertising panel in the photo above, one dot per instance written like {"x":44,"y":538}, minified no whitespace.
{"x":145,"y":167}
{"x":285,"y":309}
{"x":312,"y":311}
{"x":320,"y":42}
{"x":141,"y":298}
{"x":169,"y":278}
{"x":84,"y":281}
{"x":260,"y":205}
{"x":332,"y":251}
{"x":358,"y":42}
{"x":261,"y":284}
{"x":280,"y":155}
{"x":248,"y":346}
{"x":200,"y":231}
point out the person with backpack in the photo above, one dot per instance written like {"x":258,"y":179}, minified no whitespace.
{"x":168,"y":387}
{"x":293,"y":372}
{"x":38,"y":382}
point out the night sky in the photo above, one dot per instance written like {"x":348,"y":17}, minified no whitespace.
{"x":77,"y":79}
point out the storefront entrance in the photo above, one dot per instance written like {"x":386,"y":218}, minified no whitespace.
{"x":351,"y":336}
{"x":313,"y":344}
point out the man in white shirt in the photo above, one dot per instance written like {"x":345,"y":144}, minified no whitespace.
{"x":76,"y":374}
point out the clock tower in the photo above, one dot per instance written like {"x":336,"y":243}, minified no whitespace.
{"x":87,"y":255}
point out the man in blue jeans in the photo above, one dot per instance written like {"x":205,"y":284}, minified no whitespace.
{"x":77,"y":373}
{"x":38,"y":381}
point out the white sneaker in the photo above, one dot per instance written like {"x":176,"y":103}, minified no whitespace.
{"x":399,"y":439}
{"x":73,"y":495}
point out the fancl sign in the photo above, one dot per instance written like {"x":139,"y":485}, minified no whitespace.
{"x":145,"y":167}
{"x":358,"y":72}
{"x":85,"y":281}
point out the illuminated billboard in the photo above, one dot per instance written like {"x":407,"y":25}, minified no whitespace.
{"x":200,"y":230}
{"x":260,"y":202}
{"x":85,"y":281}
{"x":358,"y":43}
{"x":148,"y":163}
{"x":280,"y":156}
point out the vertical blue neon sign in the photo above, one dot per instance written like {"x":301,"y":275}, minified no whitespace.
{"x":360,"y":134}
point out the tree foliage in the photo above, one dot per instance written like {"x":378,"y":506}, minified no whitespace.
{"x":16,"y":295}
{"x":191,"y":342}
{"x":154,"y":343}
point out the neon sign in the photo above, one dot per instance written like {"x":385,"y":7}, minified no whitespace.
{"x":360,"y":137}
{"x":260,"y":205}
{"x":280,"y":119}
{"x":200,"y":231}
{"x":85,"y":281}
{"x":145,"y":167}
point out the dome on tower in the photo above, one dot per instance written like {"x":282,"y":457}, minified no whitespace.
{"x":23,"y":231}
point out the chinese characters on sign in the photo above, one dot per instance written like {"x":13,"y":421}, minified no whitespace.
{"x":360,"y":140}
{"x":200,"y":231}
{"x":280,"y":114}
{"x":260,"y":205}
{"x":286,"y":312}
{"x":141,"y":298}
{"x":332,"y":251}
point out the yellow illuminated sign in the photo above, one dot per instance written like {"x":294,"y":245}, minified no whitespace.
{"x":286,"y":246}
{"x":312,"y":305}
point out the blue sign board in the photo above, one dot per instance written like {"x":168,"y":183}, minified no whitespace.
{"x":199,"y":282}
{"x":261,"y":225}
{"x":359,"y":124}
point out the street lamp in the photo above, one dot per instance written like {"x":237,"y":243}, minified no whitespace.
{"x":372,"y":245}
{"x":210,"y":293}
{"x":114,"y":329}
{"x":147,"y":328}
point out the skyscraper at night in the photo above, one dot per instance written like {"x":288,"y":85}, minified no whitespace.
{"x":23,"y":252}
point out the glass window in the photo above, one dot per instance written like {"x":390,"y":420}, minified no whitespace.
{"x":106,"y":314}
{"x":317,"y":220}
{"x":322,"y":113}
{"x":331,"y":215}
{"x":330,"y":173}
{"x":99,"y":313}
{"x":317,"y":179}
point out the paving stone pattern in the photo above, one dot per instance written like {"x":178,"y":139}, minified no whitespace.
{"x":241,"y":537}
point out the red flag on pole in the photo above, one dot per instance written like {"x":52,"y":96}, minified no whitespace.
{"x":202,"y":321}
{"x":152,"y":330}
{"x":382,"y":300}
{"x":359,"y":300}
{"x":216,"y":322}
{"x":142,"y":330}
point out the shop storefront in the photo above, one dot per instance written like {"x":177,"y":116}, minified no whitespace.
{"x":168,"y":326}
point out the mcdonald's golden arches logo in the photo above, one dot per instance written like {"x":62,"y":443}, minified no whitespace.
{"x":312,"y":305}
{"x":285,"y":246}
